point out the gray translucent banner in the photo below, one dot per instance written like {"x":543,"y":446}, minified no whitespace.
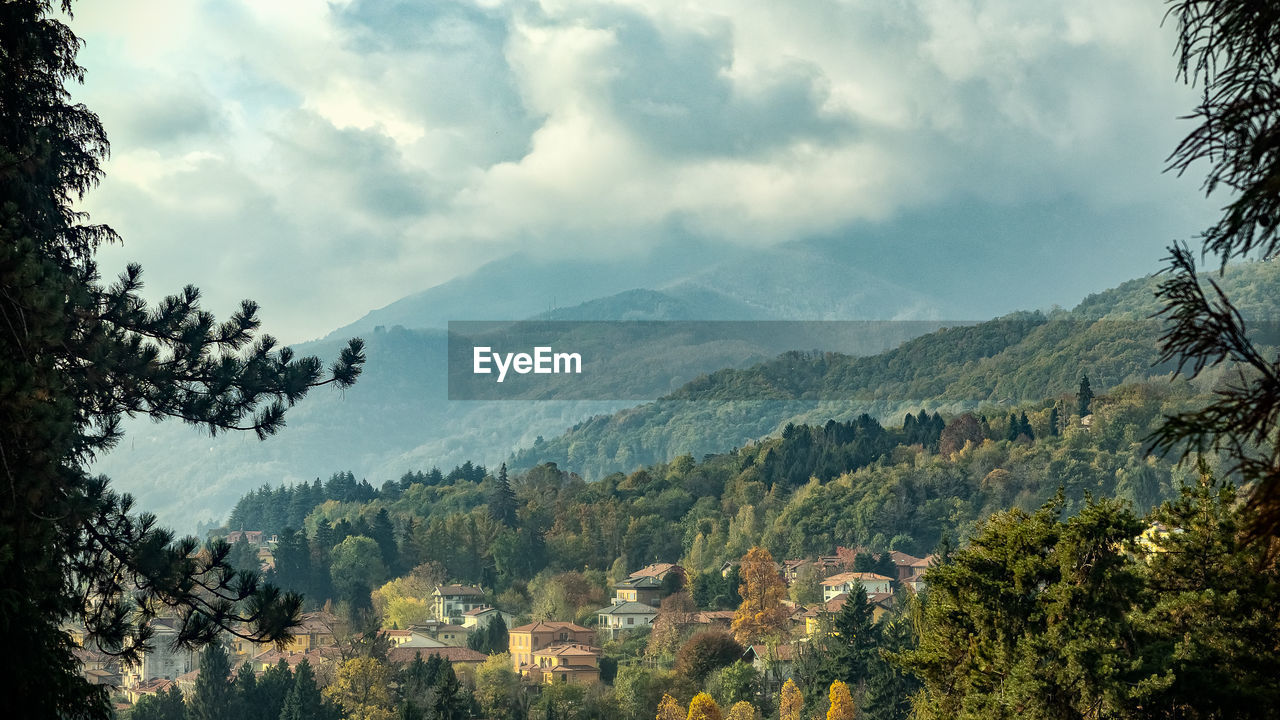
{"x":641,"y":360}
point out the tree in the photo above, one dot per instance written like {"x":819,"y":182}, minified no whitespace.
{"x":498,"y":688}
{"x":670,"y":709}
{"x":502,"y":502}
{"x":77,"y":355}
{"x":959,"y":432}
{"x":213,"y":693}
{"x":356,"y":568}
{"x":361,"y":687}
{"x":842,"y":707}
{"x":703,"y":707}
{"x":1230,"y":50}
{"x":243,"y":556}
{"x":676,"y":612}
{"x":165,"y":705}
{"x":791,"y":702}
{"x":761,"y":614}
{"x":707,"y":651}
{"x":742,"y":710}
{"x":734,"y":683}
{"x":1084,"y":396}
{"x":304,"y":701}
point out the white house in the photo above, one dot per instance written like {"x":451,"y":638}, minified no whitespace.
{"x":479,"y":618}
{"x":623,"y":616}
{"x":872,"y":583}
{"x":450,"y":602}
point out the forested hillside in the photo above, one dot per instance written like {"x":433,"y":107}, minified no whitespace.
{"x":1019,"y":358}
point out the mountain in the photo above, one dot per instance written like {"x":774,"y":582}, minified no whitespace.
{"x":1023,"y":357}
{"x":398,"y":417}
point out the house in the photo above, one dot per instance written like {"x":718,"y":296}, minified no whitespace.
{"x":646,"y":589}
{"x":315,"y":631}
{"x":624,"y":616}
{"x":146,"y":688}
{"x":460,"y":657}
{"x":450,"y":602}
{"x":315,"y":657}
{"x":908,"y":565}
{"x":846,"y":581}
{"x":447,"y":634}
{"x":565,"y":663}
{"x":774,"y":663}
{"x":818,"y":618}
{"x":915,"y":582}
{"x":659,"y":571}
{"x":720,"y":618}
{"x":410,"y":638}
{"x":525,"y":640}
{"x":163,"y":660}
{"x":480,"y":617}
{"x":253,"y":537}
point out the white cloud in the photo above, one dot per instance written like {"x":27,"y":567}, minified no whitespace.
{"x":326,"y":158}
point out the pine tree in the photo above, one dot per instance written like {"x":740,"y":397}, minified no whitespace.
{"x":304,"y":701}
{"x":1054,"y":430}
{"x":77,"y":355}
{"x":502,"y":503}
{"x":214,"y":693}
{"x":853,"y":649}
{"x":383,"y":533}
{"x":167,"y":705}
{"x":1084,"y":396}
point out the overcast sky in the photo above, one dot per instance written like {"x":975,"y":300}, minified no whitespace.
{"x":326,"y":158}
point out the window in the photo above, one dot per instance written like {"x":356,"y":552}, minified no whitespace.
{"x":631,"y":621}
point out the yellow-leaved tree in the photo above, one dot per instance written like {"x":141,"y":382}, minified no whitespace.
{"x":741,"y":710}
{"x":762,"y":614}
{"x":670,"y":709}
{"x":362,"y":687}
{"x":704,"y":707}
{"x":791,"y":704}
{"x":841,"y":703}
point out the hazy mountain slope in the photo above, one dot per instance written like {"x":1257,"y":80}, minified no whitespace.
{"x":1019,"y":358}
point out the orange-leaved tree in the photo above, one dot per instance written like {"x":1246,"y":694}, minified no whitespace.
{"x":762,"y":615}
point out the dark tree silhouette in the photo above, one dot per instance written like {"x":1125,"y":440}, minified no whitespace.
{"x":1231,"y":51}
{"x":79,"y":354}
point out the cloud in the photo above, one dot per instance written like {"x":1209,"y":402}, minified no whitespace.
{"x":330,"y":157}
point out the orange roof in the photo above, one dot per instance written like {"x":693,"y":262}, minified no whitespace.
{"x":452,"y":654}
{"x":654,"y":570}
{"x":569,"y":650}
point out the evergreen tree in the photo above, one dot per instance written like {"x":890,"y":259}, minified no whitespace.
{"x":1084,"y":396}
{"x":304,"y":701}
{"x":77,"y":355}
{"x":1054,"y":421}
{"x":502,"y":503}
{"x":273,"y":690}
{"x":383,"y":533}
{"x":214,"y":693}
{"x":167,"y":705}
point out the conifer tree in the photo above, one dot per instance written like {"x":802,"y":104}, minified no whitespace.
{"x":214,"y":693}
{"x":502,"y":503}
{"x":1084,"y":396}
{"x":79,"y":354}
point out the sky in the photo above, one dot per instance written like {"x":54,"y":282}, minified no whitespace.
{"x":327,"y":158}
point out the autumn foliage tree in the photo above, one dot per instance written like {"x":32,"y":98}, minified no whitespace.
{"x":842,"y":707}
{"x":704,"y":707}
{"x":670,"y":709}
{"x":762,"y":614}
{"x":790,"y":702}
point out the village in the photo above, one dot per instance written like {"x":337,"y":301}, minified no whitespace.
{"x":541,"y":651}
